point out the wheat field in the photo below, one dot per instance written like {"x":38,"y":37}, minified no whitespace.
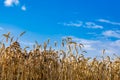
{"x":47,"y":63}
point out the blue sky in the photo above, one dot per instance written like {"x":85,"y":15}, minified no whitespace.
{"x":94,"y":23}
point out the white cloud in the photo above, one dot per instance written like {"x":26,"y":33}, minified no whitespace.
{"x":23,"y":8}
{"x":108,"y":21}
{"x":10,"y":3}
{"x":116,"y":43}
{"x":111,"y":33}
{"x":95,"y":47}
{"x":77,"y":24}
{"x":93,"y":25}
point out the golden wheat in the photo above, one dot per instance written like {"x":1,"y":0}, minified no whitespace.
{"x":49,"y":64}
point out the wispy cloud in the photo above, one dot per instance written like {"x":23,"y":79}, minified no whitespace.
{"x":23,"y":8}
{"x":109,"y":22}
{"x":73,"y":24}
{"x":111,"y":33}
{"x":93,"y":25}
{"x":93,"y":50}
{"x":10,"y":3}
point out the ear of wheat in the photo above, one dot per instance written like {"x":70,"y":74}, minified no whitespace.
{"x":47,"y":63}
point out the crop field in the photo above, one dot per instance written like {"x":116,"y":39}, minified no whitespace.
{"x":44,"y":62}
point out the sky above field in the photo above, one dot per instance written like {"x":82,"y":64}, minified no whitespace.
{"x":95,"y":23}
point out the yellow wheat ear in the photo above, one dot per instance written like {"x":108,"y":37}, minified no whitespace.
{"x":7,"y":36}
{"x":55,"y":43}
{"x":11,"y":39}
{"x":21,"y":34}
{"x":103,"y":51}
{"x":26,"y":47}
{"x":48,"y":41}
